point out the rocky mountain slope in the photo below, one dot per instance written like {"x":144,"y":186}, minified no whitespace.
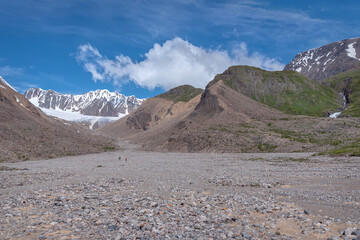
{"x":287,"y":91}
{"x":93,"y":103}
{"x":27,"y":133}
{"x":156,"y":117}
{"x":327,"y":61}
{"x":223,"y":119}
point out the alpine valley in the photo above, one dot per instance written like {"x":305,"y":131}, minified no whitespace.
{"x":245,"y":133}
{"x":310,"y":106}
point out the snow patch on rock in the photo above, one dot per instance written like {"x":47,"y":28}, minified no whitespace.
{"x":351,"y":51}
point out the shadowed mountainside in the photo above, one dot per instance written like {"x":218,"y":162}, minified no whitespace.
{"x":27,"y":133}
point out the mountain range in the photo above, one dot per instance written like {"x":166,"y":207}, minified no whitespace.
{"x":96,"y":107}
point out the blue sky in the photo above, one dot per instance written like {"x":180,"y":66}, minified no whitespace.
{"x":142,"y":48}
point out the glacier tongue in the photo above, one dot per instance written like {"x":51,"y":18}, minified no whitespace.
{"x":75,"y":116}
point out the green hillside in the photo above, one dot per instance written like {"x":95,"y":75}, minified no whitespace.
{"x":348,"y":83}
{"x":287,"y":91}
{"x":183,"y":93}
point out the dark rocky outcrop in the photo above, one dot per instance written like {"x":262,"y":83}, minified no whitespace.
{"x":140,"y":120}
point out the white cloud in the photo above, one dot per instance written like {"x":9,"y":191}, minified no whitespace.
{"x":171,"y":64}
{"x":8,"y":71}
{"x":242,"y":57}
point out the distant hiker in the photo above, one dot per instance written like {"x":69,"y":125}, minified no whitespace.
{"x":119,"y":157}
{"x":125,"y":159}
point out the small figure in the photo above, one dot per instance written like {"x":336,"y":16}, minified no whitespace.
{"x":119,"y":157}
{"x":125,"y":159}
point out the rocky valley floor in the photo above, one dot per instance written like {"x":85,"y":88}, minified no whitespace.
{"x":181,"y":196}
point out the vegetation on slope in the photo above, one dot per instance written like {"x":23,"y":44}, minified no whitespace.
{"x":183,"y":93}
{"x":287,"y":91}
{"x":349,"y":84}
{"x":352,"y":149}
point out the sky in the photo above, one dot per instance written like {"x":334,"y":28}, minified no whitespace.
{"x":144,"y":48}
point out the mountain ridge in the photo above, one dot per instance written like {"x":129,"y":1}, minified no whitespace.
{"x":328,"y":60}
{"x":288,"y":91}
{"x":93,"y":103}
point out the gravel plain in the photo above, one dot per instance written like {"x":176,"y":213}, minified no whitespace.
{"x":154,"y":195}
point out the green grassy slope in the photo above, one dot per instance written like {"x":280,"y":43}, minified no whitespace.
{"x":287,"y":91}
{"x":182,"y":93}
{"x":348,"y":82}
{"x":352,"y":149}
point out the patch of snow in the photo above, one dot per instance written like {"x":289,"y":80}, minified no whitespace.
{"x":4,"y":82}
{"x":35,"y":101}
{"x":334,"y":115}
{"x":17,"y":100}
{"x":327,"y":61}
{"x":351,"y":51}
{"x":318,"y":58}
{"x":2,"y":87}
{"x":298,"y":69}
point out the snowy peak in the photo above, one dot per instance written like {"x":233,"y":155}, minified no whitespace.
{"x":93,"y":103}
{"x":327,"y":61}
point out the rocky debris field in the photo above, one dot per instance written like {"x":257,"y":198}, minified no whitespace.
{"x":181,"y":196}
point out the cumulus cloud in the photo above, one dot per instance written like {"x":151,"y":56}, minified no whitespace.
{"x":171,"y":64}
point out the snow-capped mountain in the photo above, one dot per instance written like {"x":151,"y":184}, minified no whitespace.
{"x":95,"y":107}
{"x":94,"y":103}
{"x":327,"y":61}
